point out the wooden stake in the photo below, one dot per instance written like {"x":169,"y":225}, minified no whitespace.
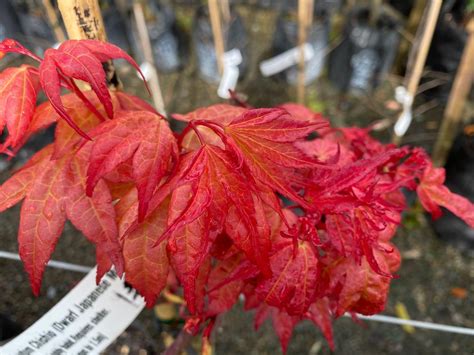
{"x":410,"y":28}
{"x":216,"y":24}
{"x":457,"y":98}
{"x":375,"y":10}
{"x":305,"y":18}
{"x":149,"y":58}
{"x":83,"y":20}
{"x":54,"y":21}
{"x":419,"y":51}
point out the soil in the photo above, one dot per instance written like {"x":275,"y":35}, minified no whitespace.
{"x":432,"y":271}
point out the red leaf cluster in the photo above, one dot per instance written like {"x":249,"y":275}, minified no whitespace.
{"x":272,"y":204}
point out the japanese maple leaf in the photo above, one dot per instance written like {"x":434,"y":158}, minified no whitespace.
{"x":282,"y":322}
{"x":129,"y":102}
{"x":143,"y":138}
{"x":53,"y":190}
{"x":79,"y":60}
{"x":304,"y":114}
{"x":18,"y":91}
{"x":356,"y":286}
{"x":222,"y":114}
{"x":320,"y":314}
{"x":146,"y":265}
{"x":266,"y":139}
{"x":294,"y":280}
{"x":223,"y":297}
{"x":433,"y":193}
{"x":214,"y":182}
{"x":67,"y":139}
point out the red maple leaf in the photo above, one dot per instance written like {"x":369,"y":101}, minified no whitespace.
{"x":18,"y":91}
{"x":54,"y":190}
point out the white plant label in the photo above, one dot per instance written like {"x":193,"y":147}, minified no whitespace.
{"x":87,"y":320}
{"x":285,"y":60}
{"x":230,"y":73}
{"x":405,"y":118}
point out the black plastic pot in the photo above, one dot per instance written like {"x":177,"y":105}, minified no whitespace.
{"x":167,"y":42}
{"x":33,"y":22}
{"x":8,"y":328}
{"x":115,"y":24}
{"x":459,"y":179}
{"x":234,"y":34}
{"x":286,"y":37}
{"x":9,"y":23}
{"x":447,"y":47}
{"x":366,"y":53}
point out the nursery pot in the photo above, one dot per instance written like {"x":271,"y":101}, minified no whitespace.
{"x":116,"y":26}
{"x":8,"y":328}
{"x":38,"y":33}
{"x":9,"y":22}
{"x":446,"y":50}
{"x":366,"y":53}
{"x":234,"y":34}
{"x":459,"y":179}
{"x":286,"y":37}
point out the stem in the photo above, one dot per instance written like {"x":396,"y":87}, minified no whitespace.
{"x":179,"y":344}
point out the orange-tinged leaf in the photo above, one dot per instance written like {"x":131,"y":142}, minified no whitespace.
{"x":14,"y":189}
{"x":266,"y":139}
{"x":42,"y":220}
{"x":18,"y":90}
{"x":67,"y":139}
{"x":188,"y":248}
{"x":94,"y":216}
{"x":129,"y":102}
{"x":146,"y":265}
{"x":220,"y":113}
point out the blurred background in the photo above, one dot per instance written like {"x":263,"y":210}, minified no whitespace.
{"x":359,"y":68}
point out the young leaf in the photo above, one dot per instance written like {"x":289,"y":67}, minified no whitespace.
{"x":79,"y":60}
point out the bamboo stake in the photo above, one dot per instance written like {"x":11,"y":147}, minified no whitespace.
{"x":154,"y":82}
{"x":419,"y":52}
{"x":375,"y":10}
{"x":305,"y":18}
{"x":54,"y":21}
{"x":410,"y":28}
{"x":457,"y":98}
{"x":216,"y":24}
{"x":83,"y":20}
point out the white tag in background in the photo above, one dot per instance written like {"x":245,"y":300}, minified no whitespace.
{"x":87,"y":320}
{"x":405,"y":118}
{"x":285,"y":60}
{"x":230,"y":74}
